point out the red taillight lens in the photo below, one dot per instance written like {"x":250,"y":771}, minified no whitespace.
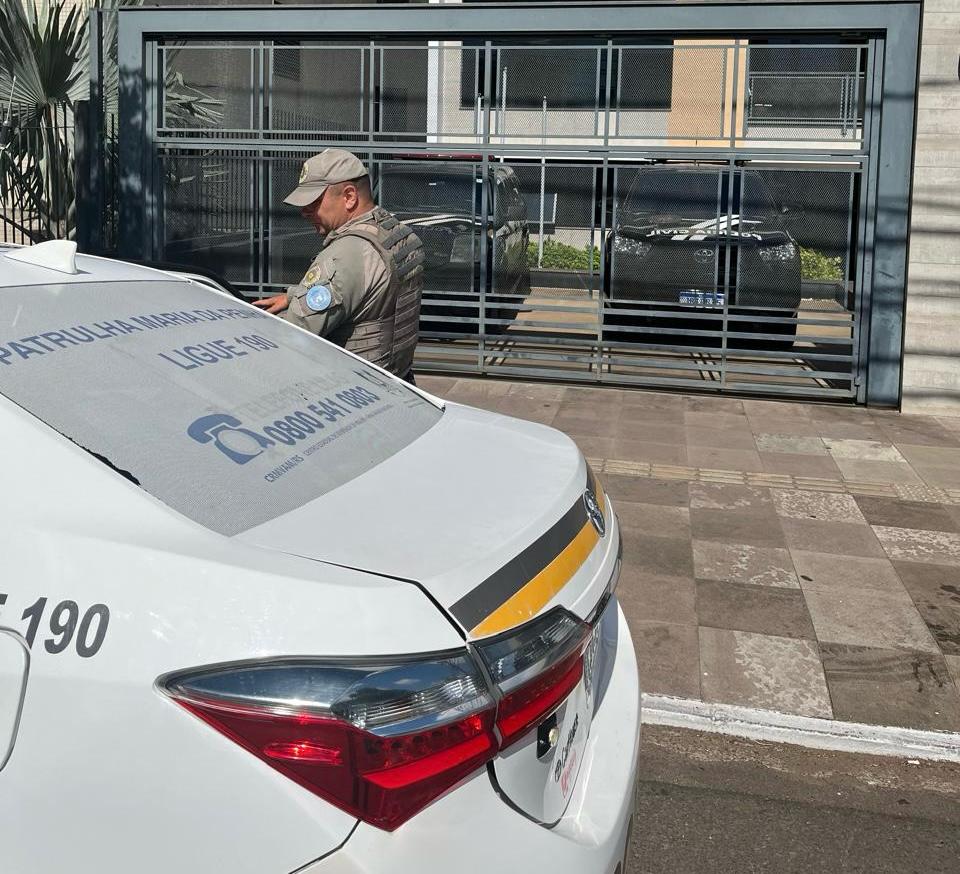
{"x":535,"y":667}
{"x":529,"y":705}
{"x":380,"y":743}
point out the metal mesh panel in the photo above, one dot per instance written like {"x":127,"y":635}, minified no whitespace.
{"x":209,"y":215}
{"x":804,"y":93}
{"x":210,"y":88}
{"x":678,"y":93}
{"x":318,"y":89}
{"x":546,"y":93}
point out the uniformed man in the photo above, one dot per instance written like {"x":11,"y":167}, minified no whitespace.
{"x":363,"y":289}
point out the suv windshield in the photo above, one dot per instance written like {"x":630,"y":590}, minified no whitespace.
{"x":229,"y":415}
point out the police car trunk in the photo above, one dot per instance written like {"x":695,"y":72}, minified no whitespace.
{"x":257,"y":430}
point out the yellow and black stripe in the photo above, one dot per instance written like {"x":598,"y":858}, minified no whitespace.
{"x":518,"y":590}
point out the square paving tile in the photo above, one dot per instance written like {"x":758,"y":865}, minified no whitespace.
{"x":641,"y":408}
{"x":705,"y":404}
{"x":668,"y":657}
{"x":538,"y":391}
{"x":763,"y":609}
{"x":653,"y":519}
{"x":940,"y":476}
{"x":647,"y":491}
{"x":843,"y":573}
{"x":654,"y":453}
{"x":890,"y":687}
{"x":593,"y":447}
{"x":865,"y":430}
{"x":913,"y":544}
{"x":820,"y":466}
{"x":657,"y":598}
{"x":792,"y":445}
{"x":935,"y":590}
{"x":759,"y":670}
{"x":838,"y":538}
{"x":651,"y":432}
{"x":916,"y":430}
{"x":672,"y":556}
{"x":776,"y":409}
{"x":585,"y":425}
{"x":862,"y":450}
{"x":936,"y":456}
{"x":753,"y":527}
{"x":716,"y":421}
{"x":824,"y":506}
{"x":742,"y":563}
{"x":724,"y":459}
{"x":869,"y":618}
{"x":854,"y":470}
{"x":714,"y":439}
{"x":723,"y":496}
{"x":897,"y":513}
{"x":530,"y":409}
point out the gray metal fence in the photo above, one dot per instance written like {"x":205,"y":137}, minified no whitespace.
{"x":651,"y":212}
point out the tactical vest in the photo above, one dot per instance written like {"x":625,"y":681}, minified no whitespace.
{"x":386,"y":327}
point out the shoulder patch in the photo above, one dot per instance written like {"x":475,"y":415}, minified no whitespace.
{"x":318,"y":298}
{"x":311,"y":276}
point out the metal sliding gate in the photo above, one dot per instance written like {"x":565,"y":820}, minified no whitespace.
{"x":627,"y":209}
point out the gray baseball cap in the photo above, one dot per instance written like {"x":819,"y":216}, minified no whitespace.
{"x":320,"y":171}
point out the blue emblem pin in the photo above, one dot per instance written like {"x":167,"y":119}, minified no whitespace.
{"x":319,"y":298}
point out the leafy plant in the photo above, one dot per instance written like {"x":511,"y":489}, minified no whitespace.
{"x":44,"y":62}
{"x":562,"y":256}
{"x":818,"y":266}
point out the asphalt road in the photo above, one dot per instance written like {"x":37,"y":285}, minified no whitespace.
{"x":708,"y":803}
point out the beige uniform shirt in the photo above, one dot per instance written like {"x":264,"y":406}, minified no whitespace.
{"x":342,"y":276}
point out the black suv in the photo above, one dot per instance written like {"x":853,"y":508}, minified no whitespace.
{"x":668,"y":253}
{"x":441,"y":202}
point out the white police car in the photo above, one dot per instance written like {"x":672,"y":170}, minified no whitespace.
{"x":265,"y":608}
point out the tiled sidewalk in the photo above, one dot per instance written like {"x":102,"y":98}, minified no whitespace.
{"x":793,"y":557}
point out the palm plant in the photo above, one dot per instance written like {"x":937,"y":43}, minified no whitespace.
{"x":44,"y":62}
{"x":40,"y":76}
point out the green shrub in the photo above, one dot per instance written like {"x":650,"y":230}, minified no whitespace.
{"x":561,"y":256}
{"x":817,"y":266}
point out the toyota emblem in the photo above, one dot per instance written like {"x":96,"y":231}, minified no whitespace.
{"x":594,"y":512}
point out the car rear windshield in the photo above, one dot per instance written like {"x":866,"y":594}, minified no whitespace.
{"x":229,"y":415}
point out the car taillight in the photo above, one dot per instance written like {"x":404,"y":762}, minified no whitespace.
{"x":379,"y":741}
{"x":534,"y":668}
{"x":382,"y":740}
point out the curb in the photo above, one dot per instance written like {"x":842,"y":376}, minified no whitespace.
{"x":806,"y":731}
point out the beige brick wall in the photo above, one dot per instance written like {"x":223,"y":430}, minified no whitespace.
{"x":931,"y":373}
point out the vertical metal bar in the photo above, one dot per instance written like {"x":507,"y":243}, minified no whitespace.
{"x":868,"y":207}
{"x":543,"y":185}
{"x":601,"y":245}
{"x":723,"y":87}
{"x":152,"y":197}
{"x":485,"y":278}
{"x":372,"y":92}
{"x":503,"y":109}
{"x":747,"y":93}
{"x":854,"y":330}
{"x":596,"y":97}
{"x":731,"y":172}
{"x":734,"y":94}
{"x":609,"y":85}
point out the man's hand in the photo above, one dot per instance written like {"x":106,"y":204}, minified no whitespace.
{"x":276,"y":304}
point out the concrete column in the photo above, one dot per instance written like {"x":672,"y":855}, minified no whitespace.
{"x":931,"y":372}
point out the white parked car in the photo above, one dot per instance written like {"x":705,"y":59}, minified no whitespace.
{"x":265,"y":608}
